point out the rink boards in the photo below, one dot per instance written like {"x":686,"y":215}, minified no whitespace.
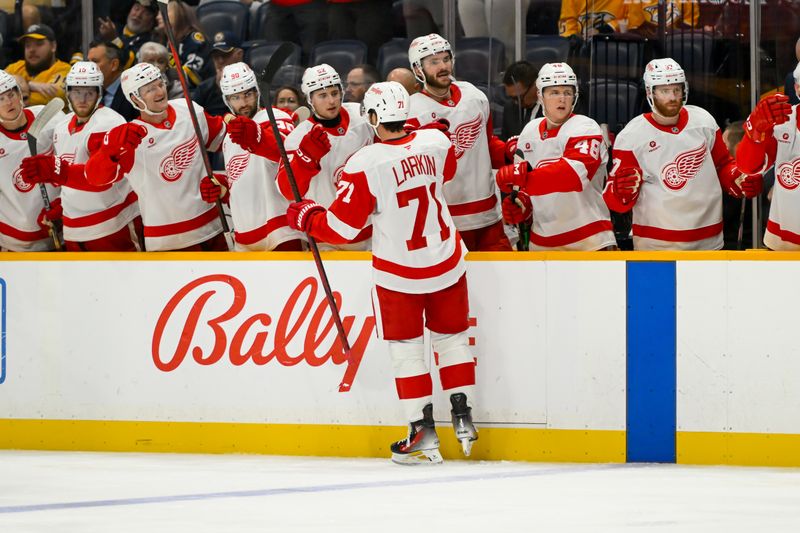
{"x":601,"y":357}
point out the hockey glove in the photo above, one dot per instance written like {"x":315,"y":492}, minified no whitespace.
{"x":626,"y":184}
{"x":517,"y":207}
{"x":314,"y":145}
{"x":511,"y":176}
{"x":747,"y":186}
{"x":299,"y":214}
{"x":441,"y":124}
{"x":769,"y":112}
{"x":123,"y":139}
{"x":48,"y":218}
{"x":42,"y":168}
{"x":211,"y":191}
{"x":511,"y":148}
{"x":252,"y":137}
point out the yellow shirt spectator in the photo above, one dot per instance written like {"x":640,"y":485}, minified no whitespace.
{"x":40,"y":68}
{"x":586,"y":18}
{"x":678,"y":14}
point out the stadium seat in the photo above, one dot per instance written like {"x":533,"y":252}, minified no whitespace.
{"x":288,"y":75}
{"x":342,"y":55}
{"x":617,"y":56}
{"x":258,"y":22}
{"x":393,"y":54}
{"x":215,"y":17}
{"x":691,"y":49}
{"x":479,"y":59}
{"x":614,"y":102}
{"x":259,"y":52}
{"x":541,"y":49}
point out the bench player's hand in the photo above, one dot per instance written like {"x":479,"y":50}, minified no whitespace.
{"x":299,"y":214}
{"x":511,"y":176}
{"x":769,"y":112}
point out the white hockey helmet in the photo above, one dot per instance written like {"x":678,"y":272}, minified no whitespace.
{"x":85,"y":74}
{"x":388,"y":100}
{"x":319,"y":77}
{"x":137,"y":77}
{"x":665,"y":71}
{"x":556,"y":74}
{"x":7,"y":82}
{"x":424,"y":46}
{"x":237,"y":78}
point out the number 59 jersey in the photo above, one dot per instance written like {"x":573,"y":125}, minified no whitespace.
{"x":415,"y":246}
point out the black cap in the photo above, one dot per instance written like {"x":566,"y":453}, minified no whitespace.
{"x":39,"y":32}
{"x":226,"y":42}
{"x":151,"y":5}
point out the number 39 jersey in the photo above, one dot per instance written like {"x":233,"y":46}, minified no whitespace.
{"x":415,"y":246}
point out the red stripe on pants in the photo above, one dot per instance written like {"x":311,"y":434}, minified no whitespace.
{"x":460,"y":375}
{"x":414,"y":387}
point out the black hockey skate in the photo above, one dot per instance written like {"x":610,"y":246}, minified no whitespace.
{"x":466,"y":433}
{"x":422,"y":444}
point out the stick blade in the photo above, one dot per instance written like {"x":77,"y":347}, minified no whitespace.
{"x":51,"y":109}
{"x":276,"y":60}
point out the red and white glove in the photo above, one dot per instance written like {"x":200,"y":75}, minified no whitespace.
{"x":626,"y":183}
{"x":124,"y":138}
{"x":511,"y":148}
{"x":441,"y":124}
{"x":748,"y":186}
{"x":299,"y":214}
{"x":769,"y":112}
{"x":48,"y":218}
{"x":42,"y":168}
{"x":517,"y":207}
{"x":211,"y":191}
{"x":314,"y":145}
{"x":511,"y":176}
{"x":252,"y":137}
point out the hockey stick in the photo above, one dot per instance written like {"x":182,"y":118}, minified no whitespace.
{"x":50,"y":111}
{"x":264,"y":82}
{"x":162,"y":7}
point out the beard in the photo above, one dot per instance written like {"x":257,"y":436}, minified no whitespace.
{"x":667,"y":112}
{"x":35,"y":68}
{"x":434,"y":82}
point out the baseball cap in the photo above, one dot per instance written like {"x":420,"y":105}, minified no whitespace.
{"x":152,"y":5}
{"x":39,"y":32}
{"x":226,"y":42}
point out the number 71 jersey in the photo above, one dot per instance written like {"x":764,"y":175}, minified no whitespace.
{"x":415,"y":246}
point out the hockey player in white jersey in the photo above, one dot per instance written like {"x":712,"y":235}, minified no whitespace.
{"x":24,"y":223}
{"x":159,"y":154}
{"x":561,"y":177}
{"x":418,"y":266}
{"x":319,"y":147}
{"x":471,"y":196}
{"x":671,"y":167}
{"x":771,"y":139}
{"x":251,"y":164}
{"x":96,"y":219}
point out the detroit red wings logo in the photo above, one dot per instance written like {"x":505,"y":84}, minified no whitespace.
{"x":465,"y":135}
{"x":20,"y":185}
{"x":175,"y":163}
{"x":789,"y":174}
{"x":685,"y":167}
{"x":236,"y":166}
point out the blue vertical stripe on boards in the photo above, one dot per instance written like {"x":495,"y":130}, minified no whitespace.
{"x":651,"y":361}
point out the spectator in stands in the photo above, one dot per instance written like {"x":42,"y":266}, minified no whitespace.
{"x":405,"y":78}
{"x":301,"y":21}
{"x":369,"y":21}
{"x":643,"y":16}
{"x":358,"y":81}
{"x":490,"y":18}
{"x":519,"y":80}
{"x":288,"y":98}
{"x":788,"y":89}
{"x":193,"y":49}
{"x":158,"y":55}
{"x":581,"y":20}
{"x":226,"y":50}
{"x":44,"y":73}
{"x":140,"y":22}
{"x":110,"y":59}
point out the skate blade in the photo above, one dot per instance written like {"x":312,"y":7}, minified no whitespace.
{"x":418,"y":458}
{"x":466,"y":445}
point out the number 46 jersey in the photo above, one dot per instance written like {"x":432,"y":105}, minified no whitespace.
{"x":415,"y":246}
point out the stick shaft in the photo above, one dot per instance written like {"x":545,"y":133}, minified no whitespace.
{"x":43,"y":191}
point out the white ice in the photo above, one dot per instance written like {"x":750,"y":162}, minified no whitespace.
{"x":65,"y":492}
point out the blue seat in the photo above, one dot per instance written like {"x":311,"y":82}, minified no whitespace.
{"x":215,"y":17}
{"x":541,"y":49}
{"x":342,"y":55}
{"x":617,"y":56}
{"x":258,"y":22}
{"x":392,"y":54}
{"x":259,"y":52}
{"x":479,"y":59}
{"x":614,"y":102}
{"x":691,"y":49}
